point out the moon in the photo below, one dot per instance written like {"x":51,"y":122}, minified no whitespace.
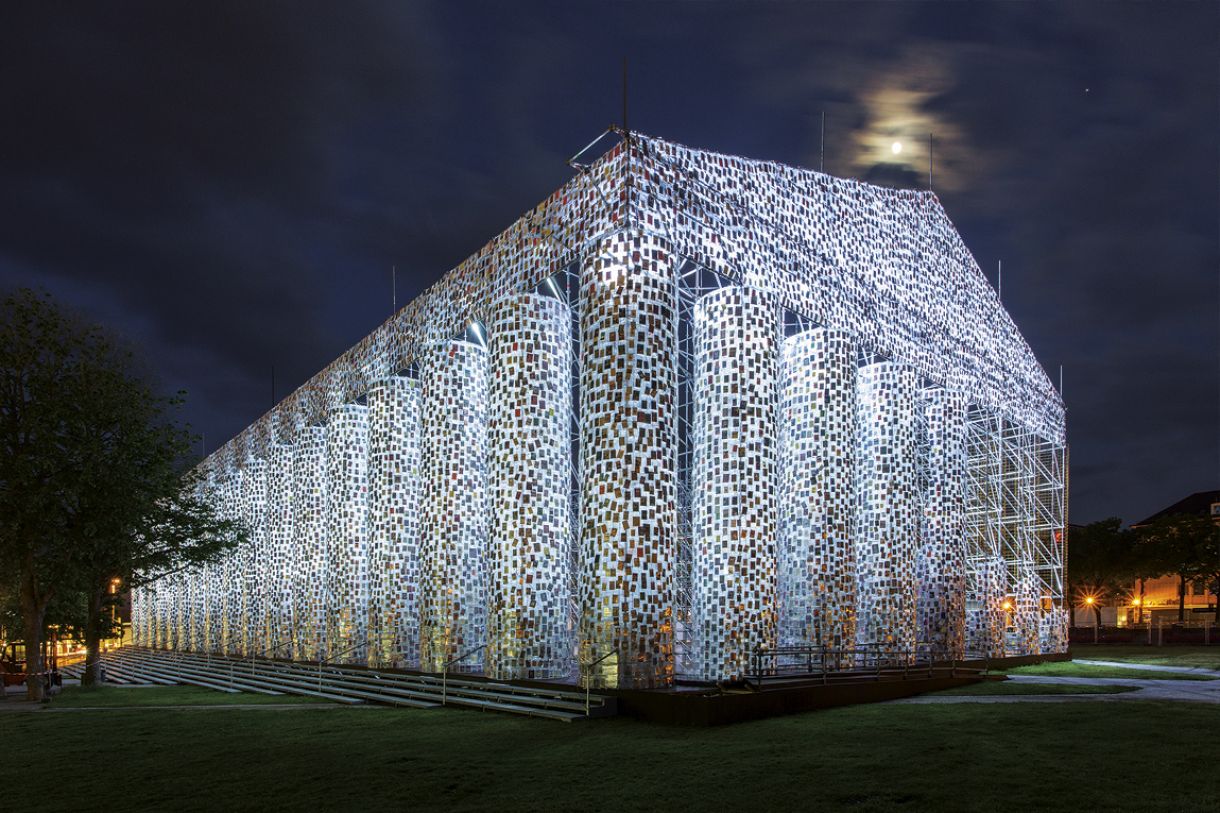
{"x":896,"y":147}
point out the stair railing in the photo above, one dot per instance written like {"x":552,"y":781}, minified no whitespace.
{"x":586,"y":670}
{"x":338,"y":654}
{"x":445,"y":670}
{"x":266,"y":651}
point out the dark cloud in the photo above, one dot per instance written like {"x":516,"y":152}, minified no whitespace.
{"x":229,"y":183}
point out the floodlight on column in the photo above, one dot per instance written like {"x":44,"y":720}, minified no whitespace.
{"x":887,"y":518}
{"x":347,"y":533}
{"x":529,"y":636}
{"x":454,"y":520}
{"x":394,"y":523}
{"x":733,"y":582}
{"x":628,"y":384}
{"x":309,"y":547}
{"x":280,"y":562}
{"x":941,"y":564}
{"x":817,"y":571}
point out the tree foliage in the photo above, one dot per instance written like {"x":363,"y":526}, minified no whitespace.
{"x":1099,"y":562}
{"x":94,"y":477}
{"x":1185,"y":546}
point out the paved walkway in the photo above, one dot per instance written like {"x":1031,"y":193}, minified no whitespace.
{"x":1187,"y":691}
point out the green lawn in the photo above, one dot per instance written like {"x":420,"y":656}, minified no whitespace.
{"x":1003,"y":687}
{"x":111,"y":696}
{"x":1073,"y":669}
{"x":1207,"y":657}
{"x":876,"y":757}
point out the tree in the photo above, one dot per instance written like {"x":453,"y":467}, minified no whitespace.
{"x":1098,"y":562}
{"x":93,"y":476}
{"x":1206,"y":567}
{"x":1180,"y":545}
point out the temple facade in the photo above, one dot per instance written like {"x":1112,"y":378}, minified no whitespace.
{"x":690,"y":409}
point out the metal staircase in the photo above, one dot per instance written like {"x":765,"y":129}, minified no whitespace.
{"x":345,"y":684}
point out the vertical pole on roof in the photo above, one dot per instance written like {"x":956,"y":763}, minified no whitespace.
{"x":626,"y":129}
{"x":393,"y":289}
{"x":822,"y":158}
{"x":929,"y":161}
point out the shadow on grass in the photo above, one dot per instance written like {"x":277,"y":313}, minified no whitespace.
{"x":876,"y":757}
{"x":121,"y":696}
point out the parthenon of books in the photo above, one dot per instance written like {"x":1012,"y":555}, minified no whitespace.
{"x":689,"y":408}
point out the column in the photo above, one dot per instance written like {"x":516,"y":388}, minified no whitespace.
{"x":394,"y":517}
{"x":530,"y":595}
{"x":1026,"y":606}
{"x":454,"y":523}
{"x":280,"y":561}
{"x":212,"y":581}
{"x":628,"y":383}
{"x":887,"y":514}
{"x":347,"y":533}
{"x":940,"y":569}
{"x":733,"y":581}
{"x":254,"y":513}
{"x":986,"y":573}
{"x":232,"y":569}
{"x":817,"y":452}
{"x":309,"y":542}
{"x":985,"y":614}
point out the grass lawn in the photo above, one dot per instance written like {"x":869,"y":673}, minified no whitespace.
{"x":1073,"y":669}
{"x":1207,"y":657}
{"x":1003,"y":687}
{"x":110,"y":696}
{"x":875,"y":757}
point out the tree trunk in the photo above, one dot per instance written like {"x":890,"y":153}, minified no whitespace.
{"x":92,"y":675}
{"x":1181,"y":598}
{"x":1140,"y":612}
{"x":1096,"y":615}
{"x":33,"y":615}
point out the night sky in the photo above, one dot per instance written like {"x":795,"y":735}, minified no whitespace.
{"x":228,"y":184}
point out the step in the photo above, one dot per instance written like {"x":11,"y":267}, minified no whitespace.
{"x":420,"y":690}
{"x":329,"y":690}
{"x":527,"y":695}
{"x":485,"y":691}
{"x":220,"y":682}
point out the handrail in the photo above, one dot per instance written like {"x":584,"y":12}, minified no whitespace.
{"x":445,"y":670}
{"x":876,"y":656}
{"x":586,"y":668}
{"x":331,"y":657}
{"x":253,"y":656}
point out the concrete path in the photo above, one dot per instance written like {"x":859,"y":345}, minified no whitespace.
{"x":1152,"y":667}
{"x":1186,"y":691}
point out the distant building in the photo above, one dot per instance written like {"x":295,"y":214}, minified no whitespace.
{"x":1161,"y":595}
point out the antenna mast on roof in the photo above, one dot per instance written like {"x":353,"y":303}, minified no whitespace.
{"x":393,"y":289}
{"x":999,"y":279}
{"x":626,"y":129}
{"x":929,"y":162}
{"x":822,"y":159}
{"x":273,"y":385}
